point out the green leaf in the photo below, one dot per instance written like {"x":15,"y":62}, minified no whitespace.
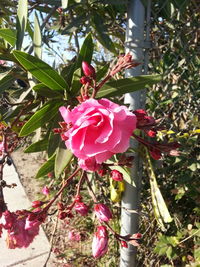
{"x":102,"y":33}
{"x":42,"y":116}
{"x":73,"y":26}
{"x":44,"y":91}
{"x":64,"y":3}
{"x":63,"y":157}
{"x":102,"y":72}
{"x":22,"y":13}
{"x":29,"y":29}
{"x":76,"y":85}
{"x":46,"y":167}
{"x":37,"y":147}
{"x":6,"y":80}
{"x":127,"y":85}
{"x":86,"y":51}
{"x":9,"y":35}
{"x":67,"y":73}
{"x":42,"y":71}
{"x":160,"y":208}
{"x":37,"y":38}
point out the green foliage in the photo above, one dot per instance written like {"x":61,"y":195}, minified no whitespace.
{"x":42,"y":71}
{"x":9,"y":36}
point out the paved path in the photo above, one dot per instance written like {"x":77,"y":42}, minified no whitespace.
{"x":36,"y":254}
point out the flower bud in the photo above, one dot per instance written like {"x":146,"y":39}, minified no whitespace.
{"x":116,"y":175}
{"x":62,"y":215}
{"x":100,"y":242}
{"x":124,"y":244}
{"x":37,"y":204}
{"x":78,"y":198}
{"x":85,"y":80}
{"x":81,"y":208}
{"x":102,"y":212}
{"x":88,"y":70}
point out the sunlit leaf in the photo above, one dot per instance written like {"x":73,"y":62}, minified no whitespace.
{"x":127,"y":85}
{"x":8,"y":35}
{"x":42,"y":71}
{"x":42,"y":116}
{"x":22,"y":13}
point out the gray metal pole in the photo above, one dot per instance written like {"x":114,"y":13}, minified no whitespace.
{"x":130,"y":201}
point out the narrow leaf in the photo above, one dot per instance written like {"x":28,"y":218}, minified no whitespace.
{"x":46,"y":167}
{"x":86,"y":51}
{"x":22,"y":13}
{"x":44,"y":91}
{"x":76,"y":85}
{"x":6,"y":80}
{"x":42,"y":116}
{"x":8,"y":35}
{"x":102,"y":33}
{"x":37,"y":38}
{"x":127,"y":85}
{"x":37,"y":147}
{"x":42,"y":71}
{"x":63,"y":157}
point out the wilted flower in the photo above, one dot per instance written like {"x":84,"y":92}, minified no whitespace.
{"x":102,"y":212}
{"x":100,"y":242}
{"x":22,"y":227}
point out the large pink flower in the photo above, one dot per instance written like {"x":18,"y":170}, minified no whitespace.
{"x":99,"y":129}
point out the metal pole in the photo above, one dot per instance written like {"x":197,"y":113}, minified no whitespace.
{"x":130,"y":202}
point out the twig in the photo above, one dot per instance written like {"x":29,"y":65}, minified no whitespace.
{"x":51,"y":242}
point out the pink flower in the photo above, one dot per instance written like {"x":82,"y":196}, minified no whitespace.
{"x":74,"y":236}
{"x":45,"y":190}
{"x":102,"y":212}
{"x":88,"y":70}
{"x":100,"y":129}
{"x":100,"y":242}
{"x":81,"y":208}
{"x":116,"y":175}
{"x":21,"y":230}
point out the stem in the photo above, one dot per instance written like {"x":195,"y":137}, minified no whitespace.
{"x":61,"y":189}
{"x":91,"y":192}
{"x":96,"y":88}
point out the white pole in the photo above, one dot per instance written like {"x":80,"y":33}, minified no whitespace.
{"x":131,"y":199}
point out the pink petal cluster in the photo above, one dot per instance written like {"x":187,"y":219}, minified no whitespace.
{"x":102,"y":212}
{"x":100,"y":242}
{"x":100,"y":129}
{"x":21,"y":226}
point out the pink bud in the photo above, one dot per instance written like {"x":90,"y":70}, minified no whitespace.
{"x":102,"y":212}
{"x":100,"y":242}
{"x":45,"y":190}
{"x":116,"y":175}
{"x":88,"y":70}
{"x":81,"y":208}
{"x":124,"y":244}
{"x":85,"y":80}
{"x":37,"y":203}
